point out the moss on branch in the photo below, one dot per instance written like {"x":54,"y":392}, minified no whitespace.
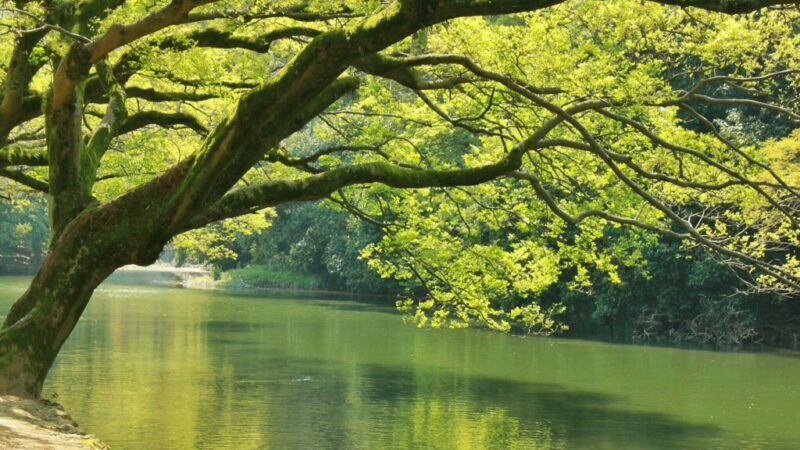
{"x":319,"y":186}
{"x":18,"y":156}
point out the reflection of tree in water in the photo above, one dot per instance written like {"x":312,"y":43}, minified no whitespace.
{"x":445,"y":409}
{"x":216,"y":385}
{"x":306,"y":403}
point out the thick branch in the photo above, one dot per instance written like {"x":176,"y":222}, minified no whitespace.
{"x":210,"y":37}
{"x":19,"y":72}
{"x":115,"y":114}
{"x":75,"y":66}
{"x":297,"y":13}
{"x":155,"y":95}
{"x":161,"y":119}
{"x":322,"y":185}
{"x":252,"y":198}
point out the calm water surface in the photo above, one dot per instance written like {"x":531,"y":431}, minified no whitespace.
{"x":152,"y":367}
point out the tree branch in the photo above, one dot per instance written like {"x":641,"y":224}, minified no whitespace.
{"x":244,"y":200}
{"x":17,"y":156}
{"x":25,"y":179}
{"x":297,"y":13}
{"x":115,"y":114}
{"x":164,"y":120}
{"x":75,"y":66}
{"x":19,"y":73}
{"x":775,"y":272}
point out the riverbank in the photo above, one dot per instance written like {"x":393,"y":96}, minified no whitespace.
{"x":40,"y":424}
{"x":252,"y":278}
{"x":757,"y":326}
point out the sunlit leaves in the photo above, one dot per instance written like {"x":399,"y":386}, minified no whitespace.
{"x":213,"y":243}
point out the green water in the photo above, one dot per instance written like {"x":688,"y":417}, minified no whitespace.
{"x":155,"y":367}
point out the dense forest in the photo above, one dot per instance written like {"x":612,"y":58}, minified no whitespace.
{"x":671,"y":295}
{"x":615,"y":168}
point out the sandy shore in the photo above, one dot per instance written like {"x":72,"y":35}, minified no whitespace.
{"x":40,"y":424}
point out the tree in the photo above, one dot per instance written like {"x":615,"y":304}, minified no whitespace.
{"x":23,"y":234}
{"x":109,"y":209}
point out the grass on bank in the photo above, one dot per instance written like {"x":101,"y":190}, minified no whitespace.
{"x":267,"y":277}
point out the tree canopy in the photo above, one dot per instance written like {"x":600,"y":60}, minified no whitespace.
{"x":530,"y":132}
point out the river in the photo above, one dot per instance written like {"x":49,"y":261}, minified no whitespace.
{"x":159,"y":367}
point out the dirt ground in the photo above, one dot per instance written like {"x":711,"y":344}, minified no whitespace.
{"x":40,"y":424}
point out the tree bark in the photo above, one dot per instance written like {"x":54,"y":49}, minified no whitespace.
{"x":30,"y":345}
{"x":41,"y":320}
{"x":94,"y":244}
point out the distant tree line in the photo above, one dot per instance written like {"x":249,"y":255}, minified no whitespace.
{"x":23,"y":234}
{"x":676,"y":295}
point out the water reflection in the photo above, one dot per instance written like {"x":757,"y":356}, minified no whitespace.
{"x":176,"y":368}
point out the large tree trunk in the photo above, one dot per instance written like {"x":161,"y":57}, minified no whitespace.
{"x":90,"y":248}
{"x":42,"y":319}
{"x":49,"y":311}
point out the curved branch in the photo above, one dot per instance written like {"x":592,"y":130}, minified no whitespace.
{"x":738,"y":101}
{"x":777,"y":273}
{"x":297,"y":13}
{"x":163,"y":120}
{"x":704,"y":120}
{"x":244,"y":200}
{"x":552,"y":204}
{"x":400,"y":69}
{"x":659,"y":176}
{"x":75,"y":66}
{"x":19,"y":73}
{"x":657,"y":140}
{"x":320,"y":186}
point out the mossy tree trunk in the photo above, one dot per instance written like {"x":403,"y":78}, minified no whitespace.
{"x":90,"y":247}
{"x":41,"y":320}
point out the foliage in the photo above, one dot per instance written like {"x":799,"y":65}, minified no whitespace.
{"x":490,"y":254}
{"x":264,"y":277}
{"x":485,"y":254}
{"x":501,"y":147}
{"x":216,"y":244}
{"x":23,"y":234}
{"x":321,"y":242}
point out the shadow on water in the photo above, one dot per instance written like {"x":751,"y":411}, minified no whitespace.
{"x":377,"y":406}
{"x":569,"y":416}
{"x":781,"y":352}
{"x":337,"y":301}
{"x":359,"y":306}
{"x":386,"y":305}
